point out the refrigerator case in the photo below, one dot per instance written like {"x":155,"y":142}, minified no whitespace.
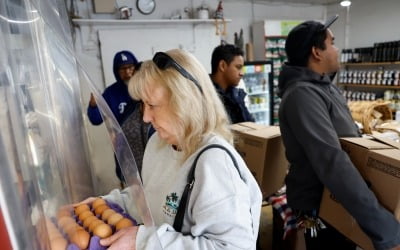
{"x":258,"y":83}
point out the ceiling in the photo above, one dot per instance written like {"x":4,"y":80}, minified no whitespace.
{"x":317,"y":2}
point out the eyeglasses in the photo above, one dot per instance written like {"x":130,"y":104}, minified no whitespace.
{"x":164,"y":61}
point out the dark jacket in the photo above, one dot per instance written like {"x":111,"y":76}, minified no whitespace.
{"x":116,"y":95}
{"x":233,"y":100}
{"x":312,"y":116}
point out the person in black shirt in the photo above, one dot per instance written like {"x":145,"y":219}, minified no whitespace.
{"x":226,"y":71}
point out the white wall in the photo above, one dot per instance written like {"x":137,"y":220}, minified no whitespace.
{"x":243,"y":14}
{"x":370,"y":21}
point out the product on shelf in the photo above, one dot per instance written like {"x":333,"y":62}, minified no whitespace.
{"x":380,"y":52}
{"x":371,"y":81}
{"x":275,"y":51}
{"x":257,"y":82}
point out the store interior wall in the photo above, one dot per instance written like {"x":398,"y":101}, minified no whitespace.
{"x":370,"y":21}
{"x":242,"y":14}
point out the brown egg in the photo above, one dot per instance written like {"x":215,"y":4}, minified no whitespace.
{"x":80,"y":238}
{"x":107,"y":213}
{"x":124,"y":222}
{"x":85,"y":214}
{"x":89,"y":220}
{"x":102,"y":230}
{"x":99,"y":209}
{"x":65,"y":220}
{"x":79,"y":209}
{"x":94,"y":224}
{"x":58,"y":243}
{"x":98,"y":202}
{"x":114,"y":218}
{"x":71,"y":228}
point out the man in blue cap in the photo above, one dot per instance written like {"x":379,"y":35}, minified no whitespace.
{"x":313,"y":115}
{"x":117,"y":96}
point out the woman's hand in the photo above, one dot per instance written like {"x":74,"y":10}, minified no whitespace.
{"x":123,"y":239}
{"x":86,"y":201}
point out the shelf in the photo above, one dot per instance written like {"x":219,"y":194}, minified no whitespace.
{"x":258,"y":110}
{"x":371,"y":64}
{"x":368,"y":86}
{"x":257,"y":93}
{"x":128,"y":22}
{"x":275,"y":37}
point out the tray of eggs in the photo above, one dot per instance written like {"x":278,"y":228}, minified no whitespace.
{"x":83,"y":227}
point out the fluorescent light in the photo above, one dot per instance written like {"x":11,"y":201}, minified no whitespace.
{"x":345,"y":3}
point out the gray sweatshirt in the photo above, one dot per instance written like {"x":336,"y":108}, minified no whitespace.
{"x":313,"y":115}
{"x":223,"y":210}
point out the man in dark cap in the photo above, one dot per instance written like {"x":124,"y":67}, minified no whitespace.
{"x":313,"y":115}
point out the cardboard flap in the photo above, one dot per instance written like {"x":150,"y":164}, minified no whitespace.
{"x":366,"y":143}
{"x":246,"y":126}
{"x":393,"y":153}
{"x":252,"y":129}
{"x":266,"y":132}
{"x":387,"y":141}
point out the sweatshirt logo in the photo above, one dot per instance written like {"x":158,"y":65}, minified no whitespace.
{"x":124,"y":57}
{"x":121,"y":107}
{"x":170,"y":207}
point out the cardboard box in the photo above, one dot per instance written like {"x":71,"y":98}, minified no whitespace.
{"x":379,"y":164}
{"x":262,"y":149}
{"x":338,"y":217}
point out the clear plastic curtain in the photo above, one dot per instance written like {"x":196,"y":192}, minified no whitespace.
{"x":43,"y":146}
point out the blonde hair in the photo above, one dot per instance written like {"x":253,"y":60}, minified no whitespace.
{"x":197,"y":115}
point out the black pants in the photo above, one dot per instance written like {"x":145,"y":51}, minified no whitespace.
{"x":328,"y":239}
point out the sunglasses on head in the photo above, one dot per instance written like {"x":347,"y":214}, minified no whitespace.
{"x":164,"y":61}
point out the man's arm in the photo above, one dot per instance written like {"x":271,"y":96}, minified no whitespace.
{"x":310,"y":122}
{"x":93,"y":111}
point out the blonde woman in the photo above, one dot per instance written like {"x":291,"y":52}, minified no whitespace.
{"x":224,"y":203}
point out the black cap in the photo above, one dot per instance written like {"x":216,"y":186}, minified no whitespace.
{"x":301,"y":38}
